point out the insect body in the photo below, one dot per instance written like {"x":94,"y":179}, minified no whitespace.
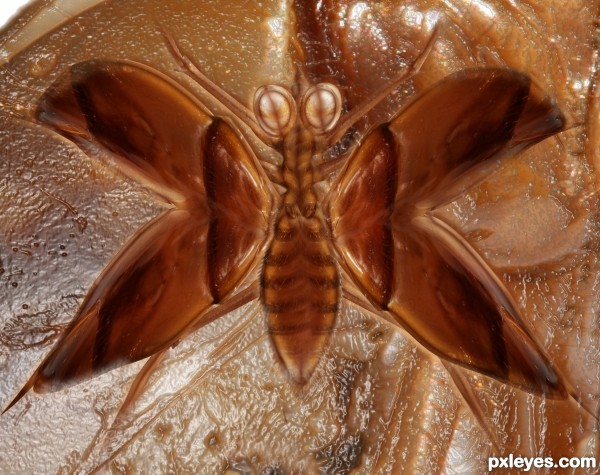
{"x":376,"y":226}
{"x":300,"y":285}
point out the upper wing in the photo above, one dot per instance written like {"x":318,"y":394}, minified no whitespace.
{"x":155,"y":128}
{"x":186,"y":259}
{"x":467,"y":119}
{"x":425,"y":274}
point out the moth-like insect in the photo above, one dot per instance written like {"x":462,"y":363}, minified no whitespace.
{"x":219,"y":402}
{"x":376,"y":225}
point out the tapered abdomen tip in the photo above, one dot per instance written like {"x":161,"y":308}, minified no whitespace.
{"x":299,"y":353}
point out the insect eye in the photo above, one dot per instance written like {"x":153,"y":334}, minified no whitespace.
{"x":274,"y":109}
{"x":321,"y":107}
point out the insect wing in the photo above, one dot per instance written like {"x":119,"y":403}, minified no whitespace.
{"x":139,"y":305}
{"x":464,"y":121}
{"x":361,"y":212}
{"x":451,"y":311}
{"x":154,"y":128}
{"x":429,"y":278}
{"x":240,"y":204}
{"x":189,"y":257}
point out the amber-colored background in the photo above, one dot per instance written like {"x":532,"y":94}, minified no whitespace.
{"x":379,"y":403}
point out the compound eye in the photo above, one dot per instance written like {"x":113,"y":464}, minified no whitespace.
{"x":321,"y":107}
{"x":275,"y":110}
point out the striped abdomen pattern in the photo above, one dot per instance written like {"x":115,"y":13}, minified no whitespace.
{"x":300,"y":279}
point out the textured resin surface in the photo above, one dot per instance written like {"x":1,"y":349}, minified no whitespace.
{"x":380,"y":399}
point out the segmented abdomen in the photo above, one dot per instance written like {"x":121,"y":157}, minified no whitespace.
{"x":300,"y":292}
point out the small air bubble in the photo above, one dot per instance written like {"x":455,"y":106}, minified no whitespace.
{"x":15,"y":249}
{"x":115,"y":213}
{"x":18,"y":172}
{"x":24,"y":306}
{"x":62,"y":247}
{"x":43,"y":65}
{"x":64,"y":254}
{"x":14,"y":284}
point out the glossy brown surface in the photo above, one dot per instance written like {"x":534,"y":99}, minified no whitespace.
{"x":362,"y":215}
{"x":239,"y":206}
{"x":379,"y":402}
